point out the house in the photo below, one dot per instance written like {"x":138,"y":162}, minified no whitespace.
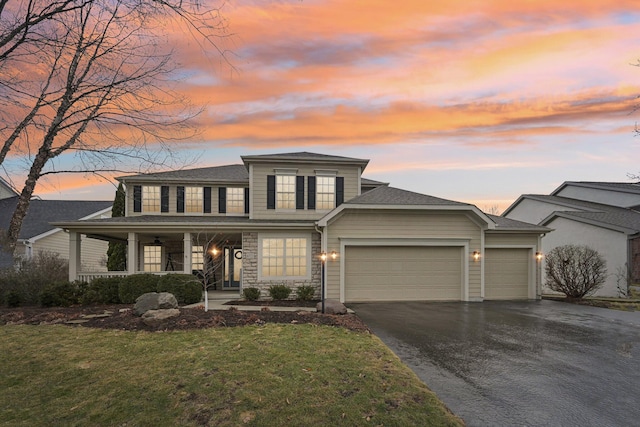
{"x":312,"y":219}
{"x":602,"y":215}
{"x":38,"y":235}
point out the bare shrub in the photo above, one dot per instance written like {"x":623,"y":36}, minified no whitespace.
{"x":575,"y":270}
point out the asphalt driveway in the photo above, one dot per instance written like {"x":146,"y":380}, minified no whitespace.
{"x":538,"y":363}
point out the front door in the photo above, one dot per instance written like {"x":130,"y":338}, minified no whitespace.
{"x":232,"y":267}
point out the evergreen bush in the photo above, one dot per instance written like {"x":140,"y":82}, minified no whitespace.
{"x":131,"y":287}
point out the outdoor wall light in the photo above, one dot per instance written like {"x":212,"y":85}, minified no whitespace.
{"x":475,"y":255}
{"x":323,"y":256}
{"x":334,"y":255}
{"x":538,"y":256}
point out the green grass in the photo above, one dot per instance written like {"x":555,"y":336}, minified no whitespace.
{"x":262,"y":376}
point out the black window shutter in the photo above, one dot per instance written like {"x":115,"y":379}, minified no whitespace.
{"x":311,"y":197}
{"x":271,"y":191}
{"x":222,"y":200}
{"x":137,"y":198}
{"x":246,"y":200}
{"x":180,"y":199}
{"x":339,"y":190}
{"x":206,"y":192}
{"x":164,"y":198}
{"x":299,"y":192}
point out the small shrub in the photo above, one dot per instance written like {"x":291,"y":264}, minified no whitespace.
{"x":576,"y":271}
{"x":60,"y":294}
{"x":185,"y":287}
{"x":135,"y":285}
{"x":279,"y":292}
{"x":305,"y":292}
{"x":14,"y":299}
{"x":251,"y":294}
{"x":103,"y":290}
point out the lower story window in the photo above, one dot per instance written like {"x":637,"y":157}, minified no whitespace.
{"x":152,"y":258}
{"x":284,"y":257}
{"x":197,"y":257}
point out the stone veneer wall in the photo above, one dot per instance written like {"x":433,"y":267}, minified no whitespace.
{"x":250,"y":267}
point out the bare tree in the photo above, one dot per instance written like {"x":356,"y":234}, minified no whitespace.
{"x":93,"y":78}
{"x":212,"y":261}
{"x":575,"y":270}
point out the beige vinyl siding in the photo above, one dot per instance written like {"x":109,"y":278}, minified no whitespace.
{"x":173,"y":197}
{"x":402,"y":224}
{"x":504,"y":239}
{"x":403,"y":273}
{"x":259,"y":188}
{"x":94,"y":252}
{"x":507,"y":273}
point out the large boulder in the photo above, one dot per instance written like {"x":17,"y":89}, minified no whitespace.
{"x":154,"y":318}
{"x":332,"y":306}
{"x":154,"y":301}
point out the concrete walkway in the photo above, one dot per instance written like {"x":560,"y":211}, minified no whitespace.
{"x":219,"y":304}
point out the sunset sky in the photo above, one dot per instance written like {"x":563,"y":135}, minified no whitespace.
{"x":471,"y":101}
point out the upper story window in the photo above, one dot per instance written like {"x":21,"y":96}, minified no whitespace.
{"x":285,"y":191}
{"x":193,"y":199}
{"x":150,"y":198}
{"x":325,"y":192}
{"x":235,"y":200}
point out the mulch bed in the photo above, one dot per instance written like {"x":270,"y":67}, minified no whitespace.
{"x":121,"y":317}
{"x":274,"y":303}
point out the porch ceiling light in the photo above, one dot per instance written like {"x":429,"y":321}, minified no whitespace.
{"x":214,"y":251}
{"x":475,"y":255}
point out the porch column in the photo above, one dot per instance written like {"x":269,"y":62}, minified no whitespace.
{"x":74,"y":255}
{"x":187,"y":253}
{"x":132,"y":253}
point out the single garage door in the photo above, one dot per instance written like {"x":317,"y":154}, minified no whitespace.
{"x":506,"y":273}
{"x":401,"y":273}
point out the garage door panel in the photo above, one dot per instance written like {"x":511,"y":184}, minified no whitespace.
{"x":400,"y":273}
{"x":507,"y":273}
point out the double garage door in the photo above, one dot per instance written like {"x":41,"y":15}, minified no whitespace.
{"x":403,"y":273}
{"x":430,"y":273}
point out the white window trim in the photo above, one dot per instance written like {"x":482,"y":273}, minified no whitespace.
{"x":143,"y":198}
{"x":330,"y":174}
{"x":242,"y":213}
{"x":198,"y":213}
{"x":263,"y":236}
{"x":286,"y":172}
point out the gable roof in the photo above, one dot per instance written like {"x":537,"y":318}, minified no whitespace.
{"x":366,"y":182}
{"x":622,"y":187}
{"x":226,"y":173}
{"x":385,"y":195}
{"x":304,"y":156}
{"x":42,"y":212}
{"x":607,"y":216}
{"x":508,"y":224}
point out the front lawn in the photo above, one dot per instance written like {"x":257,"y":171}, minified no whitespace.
{"x":264,"y":376}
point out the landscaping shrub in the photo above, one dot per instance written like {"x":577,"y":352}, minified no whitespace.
{"x":135,"y":285}
{"x":23,"y":285}
{"x":61,"y":294}
{"x":185,"y":287}
{"x":102,"y":290}
{"x":575,"y":270}
{"x":279,"y":292}
{"x":251,"y":294}
{"x":305,"y":292}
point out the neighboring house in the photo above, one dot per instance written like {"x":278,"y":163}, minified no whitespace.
{"x":602,"y":215}
{"x":275,"y":215}
{"x":38,"y":235}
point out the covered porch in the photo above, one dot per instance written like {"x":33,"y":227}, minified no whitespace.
{"x":215,"y":257}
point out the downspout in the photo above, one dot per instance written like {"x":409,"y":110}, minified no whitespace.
{"x":323,"y":272}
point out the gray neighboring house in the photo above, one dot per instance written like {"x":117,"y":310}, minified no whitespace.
{"x":38,"y":235}
{"x":602,"y":215}
{"x":275,"y":215}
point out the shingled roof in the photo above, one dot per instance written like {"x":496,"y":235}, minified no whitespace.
{"x":625,"y":187}
{"x":505,"y":224}
{"x":395,"y":196}
{"x":227,"y":173}
{"x":42,"y":212}
{"x":304,"y":156}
